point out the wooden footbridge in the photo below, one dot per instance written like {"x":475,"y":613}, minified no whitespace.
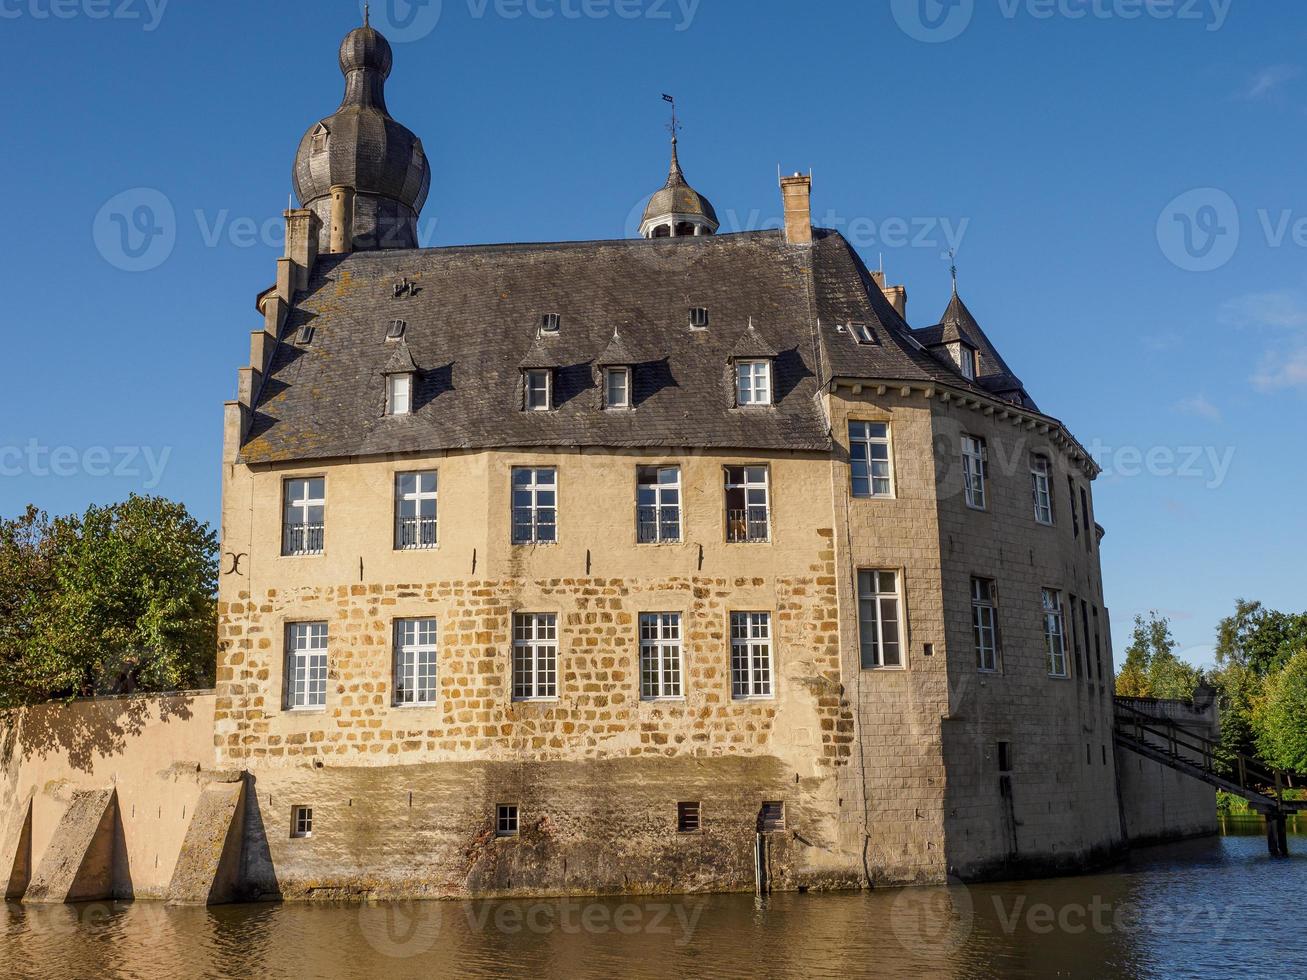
{"x":1170,"y":744}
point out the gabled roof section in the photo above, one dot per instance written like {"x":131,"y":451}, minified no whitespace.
{"x":959,"y":325}
{"x":752,"y":344}
{"x":616,"y":354}
{"x":401,"y":362}
{"x":465,"y":327}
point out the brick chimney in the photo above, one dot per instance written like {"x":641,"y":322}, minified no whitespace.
{"x":897,"y":295}
{"x":796,"y":196}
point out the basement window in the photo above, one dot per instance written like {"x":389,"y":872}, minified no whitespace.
{"x":301,"y":821}
{"x":699,"y":318}
{"x":506,"y":820}
{"x":771,"y":817}
{"x":687,"y":818}
{"x":551,"y":322}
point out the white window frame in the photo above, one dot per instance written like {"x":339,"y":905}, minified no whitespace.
{"x":399,"y":394}
{"x":861,"y":332}
{"x":1041,"y":489}
{"x":984,"y":624}
{"x":698,"y":322}
{"x":419,"y":524}
{"x":535,"y":657}
{"x":416,"y":659}
{"x":1054,"y":633}
{"x":862,"y":447}
{"x":301,"y":822}
{"x":751,"y":488}
{"x":752,"y":656}
{"x":661,"y":507}
{"x":753,"y":383}
{"x":611,"y":374}
{"x":306,"y":666}
{"x":965,"y":359}
{"x":536,"y":488}
{"x":661,"y":674}
{"x":975,"y":468}
{"x":532,"y":389}
{"x":874,"y":597}
{"x":297,"y":502}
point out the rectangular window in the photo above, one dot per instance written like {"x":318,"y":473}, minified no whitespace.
{"x":535,"y":505}
{"x":306,"y":665}
{"x":879,"y":618}
{"x":658,"y":504}
{"x":539,"y":390}
{"x":965,"y":358}
{"x":617,"y":387}
{"x":1053,"y":635}
{"x":506,"y":820}
{"x":535,"y":656}
{"x":975,"y":467}
{"x":1041,"y":489}
{"x":415,"y":510}
{"x":984,"y":623}
{"x":1089,"y":524}
{"x":1071,"y":492}
{"x":753,"y":382}
{"x":303,"y":516}
{"x":415,"y":661}
{"x":551,"y":322}
{"x":399,"y":394}
{"x":862,"y":333}
{"x":699,"y":318}
{"x":660,"y":655}
{"x":301,"y":821}
{"x":751,"y":655}
{"x":747,"y":510}
{"x":869,"y":459}
{"x":771,"y":817}
{"x":687,"y":818}
{"x":1004,"y":756}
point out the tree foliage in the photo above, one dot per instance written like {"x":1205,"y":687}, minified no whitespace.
{"x":1280,"y":716}
{"x":116,"y":600}
{"x":1151,"y":668}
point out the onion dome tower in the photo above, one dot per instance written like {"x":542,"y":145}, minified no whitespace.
{"x":678,"y":210}
{"x":363,"y":174}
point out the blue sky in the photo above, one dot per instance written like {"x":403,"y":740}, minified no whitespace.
{"x":1123,"y":180}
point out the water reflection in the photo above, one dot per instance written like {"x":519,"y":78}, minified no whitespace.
{"x":1176,"y":911}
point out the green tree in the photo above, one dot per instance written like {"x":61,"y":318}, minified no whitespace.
{"x":119,"y":599}
{"x":1280,"y":716}
{"x":1151,"y":668}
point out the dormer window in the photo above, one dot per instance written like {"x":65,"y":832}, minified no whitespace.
{"x":320,"y":135}
{"x":396,"y":329}
{"x":550,"y":322}
{"x":539,"y":390}
{"x":753,"y":384}
{"x":862,"y":333}
{"x":617,"y":387}
{"x":304,"y":336}
{"x":399,"y":394}
{"x":699,"y":318}
{"x":965,"y":359}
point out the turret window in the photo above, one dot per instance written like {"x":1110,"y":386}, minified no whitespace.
{"x":617,"y":387}
{"x":539,"y":390}
{"x":753,"y":383}
{"x":984,"y":623}
{"x":965,"y":359}
{"x":1041,"y":489}
{"x":1053,"y":632}
{"x":975,"y":467}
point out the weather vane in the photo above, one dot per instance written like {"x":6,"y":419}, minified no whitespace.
{"x":953,"y":268}
{"x":675,"y":126}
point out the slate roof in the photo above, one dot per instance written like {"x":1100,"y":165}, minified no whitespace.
{"x":474,"y":324}
{"x":996,"y":377}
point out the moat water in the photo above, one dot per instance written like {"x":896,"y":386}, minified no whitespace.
{"x":1210,"y":908}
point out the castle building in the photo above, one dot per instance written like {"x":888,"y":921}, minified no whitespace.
{"x":671,"y":563}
